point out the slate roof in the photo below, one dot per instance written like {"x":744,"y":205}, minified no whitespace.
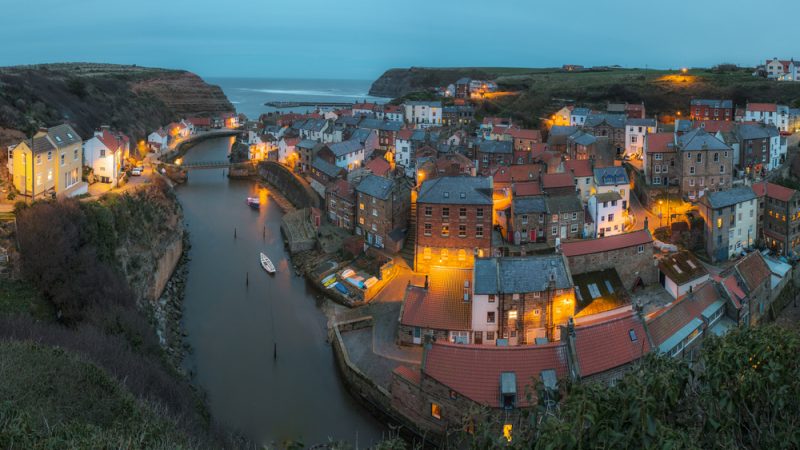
{"x":610,"y":176}
{"x":448,"y":363}
{"x":39,"y":144}
{"x":345,"y":147}
{"x":496,"y":147}
{"x":312,"y":125}
{"x":613,"y":120}
{"x":361,"y":135}
{"x":641,"y":122}
{"x":518,"y":275}
{"x":564,"y":203}
{"x":605,"y":244}
{"x":307,"y":144}
{"x":63,"y":135}
{"x":747,"y":131}
{"x":561,"y":130}
{"x":611,"y":342}
{"x":442,"y":305}
{"x":712,"y":103}
{"x":325,"y":167}
{"x":375,"y":186}
{"x":557,"y":180}
{"x":457,"y":190}
{"x":582,"y":138}
{"x":722,"y":199}
{"x":682,"y":267}
{"x":608,"y":196}
{"x":581,"y":112}
{"x":530,"y":204}
{"x":423,"y":103}
{"x":700,"y":139}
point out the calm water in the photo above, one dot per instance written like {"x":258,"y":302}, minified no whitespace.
{"x":232,"y":327}
{"x":248,"y":95}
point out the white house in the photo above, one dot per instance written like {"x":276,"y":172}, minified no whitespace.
{"x":680,"y":273}
{"x":782,"y":70}
{"x":348,"y":155}
{"x":403,"y":151}
{"x":312,"y":129}
{"x":287,"y":153}
{"x":577,"y":117}
{"x":607,"y":213}
{"x":105,"y":153}
{"x":635,"y":132}
{"x":613,"y":179}
{"x":423,"y":114}
{"x":158,"y":140}
{"x":768,"y":113}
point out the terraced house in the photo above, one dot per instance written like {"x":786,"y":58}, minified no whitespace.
{"x":48,"y":164}
{"x":779,"y":217}
{"x":730,"y":221}
{"x":453,"y":222}
{"x":705,"y":163}
{"x":382,"y":212}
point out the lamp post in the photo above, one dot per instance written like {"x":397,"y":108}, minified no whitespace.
{"x":661,"y":213}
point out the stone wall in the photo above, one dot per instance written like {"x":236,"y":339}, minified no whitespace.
{"x":165,"y":266}
{"x":629,"y":263}
{"x":290,"y":185}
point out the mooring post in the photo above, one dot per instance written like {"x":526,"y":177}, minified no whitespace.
{"x":234,"y":232}
{"x":275,"y":351}
{"x":247,"y":279}
{"x":264,"y":233}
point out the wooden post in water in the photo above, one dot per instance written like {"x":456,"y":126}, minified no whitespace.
{"x":247,"y":279}
{"x":274,"y":351}
{"x":234,"y":232}
{"x":264,"y":234}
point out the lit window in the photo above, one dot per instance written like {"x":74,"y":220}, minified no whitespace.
{"x":512,"y":315}
{"x":436,"y":411}
{"x":361,"y":206}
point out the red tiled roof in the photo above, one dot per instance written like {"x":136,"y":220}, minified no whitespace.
{"x":557,"y":180}
{"x":605,"y":244}
{"x":579,"y":167}
{"x":753,"y":270}
{"x":736,"y":293}
{"x":379,"y":166}
{"x":409,"y":374}
{"x":665,"y":322}
{"x":537,"y":149}
{"x":713,"y":126}
{"x":474,"y":370}
{"x":391,"y":108}
{"x":342,"y":188}
{"x":773,"y":191}
{"x":523,"y":133}
{"x":200,"y":121}
{"x":442,"y":305}
{"x":518,"y":172}
{"x":527,"y":189}
{"x":364,"y":106}
{"x":605,"y":344}
{"x":762,"y":107}
{"x":659,"y":142}
{"x":113,"y":141}
{"x":404,"y":134}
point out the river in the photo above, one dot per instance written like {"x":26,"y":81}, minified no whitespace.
{"x":232,"y":327}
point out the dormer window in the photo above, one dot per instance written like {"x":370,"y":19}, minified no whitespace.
{"x":446,"y":194}
{"x":508,"y":390}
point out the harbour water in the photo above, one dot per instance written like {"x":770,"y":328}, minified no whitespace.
{"x":233,"y":327}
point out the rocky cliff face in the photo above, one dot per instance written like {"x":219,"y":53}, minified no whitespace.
{"x":398,"y":82}
{"x":134,"y":99}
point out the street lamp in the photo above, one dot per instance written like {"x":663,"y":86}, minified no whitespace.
{"x":661,"y":213}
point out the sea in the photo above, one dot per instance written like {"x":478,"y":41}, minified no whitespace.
{"x":248,"y":95}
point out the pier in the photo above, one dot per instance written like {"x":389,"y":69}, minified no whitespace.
{"x":282,"y":105}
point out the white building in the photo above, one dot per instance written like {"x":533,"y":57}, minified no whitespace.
{"x":768,"y":113}
{"x":577,"y":117}
{"x":287,"y":153}
{"x":607,"y":213}
{"x":348,"y":155}
{"x":105,"y":153}
{"x":635,"y":132}
{"x":680,"y":273}
{"x":423,"y":114}
{"x":158,"y":141}
{"x":613,"y":179}
{"x":403,"y":150}
{"x":782,"y":70}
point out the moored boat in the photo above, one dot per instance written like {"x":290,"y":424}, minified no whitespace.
{"x":253,"y":202}
{"x":266,"y":263}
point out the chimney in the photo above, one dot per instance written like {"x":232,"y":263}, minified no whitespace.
{"x":646,"y":227}
{"x":426,"y":282}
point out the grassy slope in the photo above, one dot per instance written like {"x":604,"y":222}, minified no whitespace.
{"x":54,"y":399}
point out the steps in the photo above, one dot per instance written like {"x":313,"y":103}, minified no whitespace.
{"x":411,"y":237}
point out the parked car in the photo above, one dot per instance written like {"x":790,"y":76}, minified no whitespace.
{"x":136,"y":172}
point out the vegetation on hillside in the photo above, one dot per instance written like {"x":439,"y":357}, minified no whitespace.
{"x":743,"y":393}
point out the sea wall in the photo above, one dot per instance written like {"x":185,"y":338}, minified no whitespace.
{"x":290,"y":185}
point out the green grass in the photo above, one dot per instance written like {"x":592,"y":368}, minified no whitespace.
{"x":50,"y":398}
{"x":19,"y":297}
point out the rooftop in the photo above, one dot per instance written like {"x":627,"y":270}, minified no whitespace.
{"x":518,"y":275}
{"x":457,"y":190}
{"x":530,"y":204}
{"x":669,"y":325}
{"x":682,"y":267}
{"x":376,"y":186}
{"x":442,"y":305}
{"x":558,"y":204}
{"x":773,"y":190}
{"x":612,"y":342}
{"x":605,"y":244}
{"x":610,"y":176}
{"x":729,"y":197}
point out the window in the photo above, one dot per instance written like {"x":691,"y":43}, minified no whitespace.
{"x":699,"y":157}
{"x":361,"y":206}
{"x":688,"y":156}
{"x":640,"y":249}
{"x":524,"y":219}
{"x":716,"y":157}
{"x":427,"y":229}
{"x":721,"y":170}
{"x":445,"y":230}
{"x":361,"y":220}
{"x":491,"y":298}
{"x":632,"y":335}
{"x":611,"y":217}
{"x":657,"y":180}
{"x":62,"y":158}
{"x":658,"y":156}
{"x":428,"y":211}
{"x":38,"y":159}
{"x":657,"y":168}
{"x":490,"y":335}
{"x":574,"y":216}
{"x":374,"y":212}
{"x":719,"y":222}
{"x":102,"y":153}
{"x":479,"y":212}
{"x":462,"y":231}
{"x":554,"y":230}
{"x":436,"y":411}
{"x":374,"y":227}
{"x":50,"y":156}
{"x":490,"y":317}
{"x":462,"y":213}
{"x":445,"y":213}
{"x":479,"y":231}
{"x":574,"y":228}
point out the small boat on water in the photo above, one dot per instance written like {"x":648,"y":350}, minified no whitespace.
{"x":267,"y":264}
{"x":253,"y":202}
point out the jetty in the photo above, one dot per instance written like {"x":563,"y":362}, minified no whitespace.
{"x":281,"y":105}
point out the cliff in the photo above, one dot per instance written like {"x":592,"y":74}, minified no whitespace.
{"x":134,"y":99}
{"x":398,"y":82}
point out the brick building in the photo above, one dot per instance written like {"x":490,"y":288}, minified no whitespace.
{"x":704,"y":109}
{"x":454,"y":222}
{"x":566,"y":218}
{"x":521,"y":300}
{"x":529,"y":218}
{"x":493,"y":154}
{"x":778,"y":217}
{"x":659,"y":160}
{"x":731,"y":220}
{"x":631,"y":254}
{"x":608,"y":125}
{"x":340,"y":203}
{"x":382,"y":212}
{"x":705,"y":164}
{"x":523,"y":139}
{"x":441,"y":308}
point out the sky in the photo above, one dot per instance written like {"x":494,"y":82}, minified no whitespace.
{"x":359,"y":39}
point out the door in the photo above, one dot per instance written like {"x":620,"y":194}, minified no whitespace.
{"x":417,"y":335}
{"x":563,"y":231}
{"x":478,"y":337}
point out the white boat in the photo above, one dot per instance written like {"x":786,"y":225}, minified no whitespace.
{"x":267,"y":264}
{"x":253,"y":202}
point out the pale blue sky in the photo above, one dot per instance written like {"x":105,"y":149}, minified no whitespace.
{"x":359,"y":39}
